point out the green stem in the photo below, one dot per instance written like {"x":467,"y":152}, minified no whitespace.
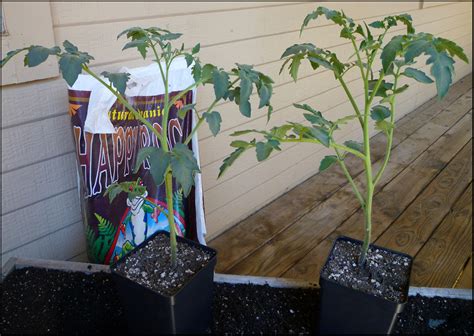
{"x":349,"y":178}
{"x":388,"y":148}
{"x":351,"y":99}
{"x":169,"y":203}
{"x":332,"y":145}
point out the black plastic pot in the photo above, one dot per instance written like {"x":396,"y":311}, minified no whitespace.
{"x":188,"y":311}
{"x":344,"y":310}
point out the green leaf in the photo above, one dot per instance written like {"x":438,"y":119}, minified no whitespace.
{"x":214,"y":121}
{"x":354,"y":145}
{"x":141,"y":44}
{"x":184,"y":110}
{"x":113,"y":191}
{"x":243,"y":132}
{"x":11,"y":54}
{"x":377,"y":24}
{"x":265,"y":93}
{"x":320,"y":61}
{"x":295,"y":49}
{"x":417,"y":75}
{"x":245,"y":92}
{"x":70,"y":48}
{"x":189,"y":59}
{"x":327,"y":162}
{"x":263,"y":150}
{"x":229,"y":160}
{"x":320,"y":134}
{"x":38,"y":54}
{"x":170,"y":36}
{"x":416,"y":48}
{"x":384,"y":126}
{"x":143,"y":154}
{"x":119,"y":80}
{"x":71,"y":66}
{"x":239,"y":143}
{"x":196,"y":48}
{"x":159,"y":162}
{"x":442,"y":70}
{"x":295,"y":65}
{"x":184,"y":166}
{"x":196,"y":71}
{"x":400,"y":89}
{"x":453,"y":49}
{"x":389,"y":52}
{"x":221,"y":83}
{"x":379,"y":112}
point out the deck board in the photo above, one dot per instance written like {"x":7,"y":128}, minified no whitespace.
{"x":431,"y":161}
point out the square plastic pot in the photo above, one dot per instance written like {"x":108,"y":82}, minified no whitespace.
{"x":188,"y":311}
{"x":344,"y":310}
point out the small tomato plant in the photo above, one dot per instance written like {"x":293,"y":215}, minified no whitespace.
{"x":397,"y":56}
{"x":166,"y":163}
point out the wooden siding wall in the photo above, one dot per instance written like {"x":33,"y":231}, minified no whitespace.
{"x":40,"y":205}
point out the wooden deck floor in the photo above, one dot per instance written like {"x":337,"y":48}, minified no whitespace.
{"x":423,"y":205}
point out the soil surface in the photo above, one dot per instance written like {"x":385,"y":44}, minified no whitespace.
{"x":150,"y":266}
{"x":437,"y":316}
{"x":45,"y":301}
{"x":385,"y":274}
{"x":38,"y":301}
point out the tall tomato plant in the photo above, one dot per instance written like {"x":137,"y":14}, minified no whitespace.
{"x":236,"y":85}
{"x":369,"y":42}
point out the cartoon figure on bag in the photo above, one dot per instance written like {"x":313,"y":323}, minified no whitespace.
{"x":142,"y":217}
{"x":138,"y":221}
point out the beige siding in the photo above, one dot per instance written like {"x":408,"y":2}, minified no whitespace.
{"x":38,"y":167}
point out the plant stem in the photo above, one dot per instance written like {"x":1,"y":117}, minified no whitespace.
{"x":351,"y":99}
{"x":349,"y":178}
{"x":388,"y":148}
{"x":169,"y":202}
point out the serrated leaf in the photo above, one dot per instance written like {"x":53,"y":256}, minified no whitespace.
{"x":263,"y":150}
{"x":320,"y":134}
{"x":69,"y":47}
{"x":184,"y":110}
{"x":295,"y":65}
{"x":140,"y":44}
{"x":442,"y":70}
{"x":189,"y":59}
{"x":264,"y":92}
{"x":221,"y":83}
{"x":170,"y":36}
{"x":354,"y":145}
{"x":390,"y":51}
{"x":243,"y":132}
{"x":142,"y":155}
{"x":327,"y":162}
{"x":229,"y":160}
{"x":38,"y":54}
{"x":119,"y":80}
{"x":196,"y":48}
{"x":196,"y":71}
{"x":416,"y":48}
{"x":320,"y":61}
{"x":417,"y":75}
{"x":451,"y":47}
{"x":184,"y":166}
{"x":113,"y":191}
{"x":239,"y":143}
{"x":159,"y":163}
{"x":379,"y":113}
{"x":377,"y":24}
{"x":214,"y":120}
{"x":71,"y":66}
